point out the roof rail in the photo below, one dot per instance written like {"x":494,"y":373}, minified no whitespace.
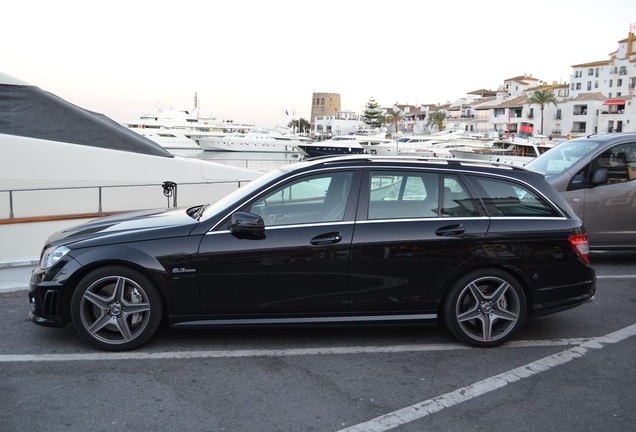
{"x":447,"y":161}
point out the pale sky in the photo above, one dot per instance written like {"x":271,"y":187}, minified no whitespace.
{"x":250,"y":60}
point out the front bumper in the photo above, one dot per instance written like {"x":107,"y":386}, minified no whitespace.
{"x":48,"y":297}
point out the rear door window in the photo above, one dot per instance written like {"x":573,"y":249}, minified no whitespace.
{"x":400,"y":195}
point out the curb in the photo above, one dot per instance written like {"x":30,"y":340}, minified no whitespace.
{"x":16,"y":274}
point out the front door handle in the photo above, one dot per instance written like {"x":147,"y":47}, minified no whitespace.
{"x":451,"y":230}
{"x":328,"y":238}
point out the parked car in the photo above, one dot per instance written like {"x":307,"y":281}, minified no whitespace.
{"x":597,"y":177}
{"x":474,"y":245}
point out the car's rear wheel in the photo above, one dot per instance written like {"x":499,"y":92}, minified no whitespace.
{"x":485,"y":308}
{"x":116,"y":308}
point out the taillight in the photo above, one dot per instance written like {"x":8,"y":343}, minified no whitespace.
{"x":581,"y":246}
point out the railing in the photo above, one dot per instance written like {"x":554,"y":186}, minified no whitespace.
{"x":81,"y":200}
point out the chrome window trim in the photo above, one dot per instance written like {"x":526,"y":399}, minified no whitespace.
{"x":489,"y":218}
{"x":394,"y":220}
{"x":277,"y":227}
{"x":422,"y":219}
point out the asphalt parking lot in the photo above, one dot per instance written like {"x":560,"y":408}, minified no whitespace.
{"x":569,"y":371}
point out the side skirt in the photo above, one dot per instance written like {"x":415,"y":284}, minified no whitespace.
{"x":310,"y":320}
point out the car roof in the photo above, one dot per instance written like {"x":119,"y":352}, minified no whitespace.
{"x":360,"y":160}
{"x":607,"y":137}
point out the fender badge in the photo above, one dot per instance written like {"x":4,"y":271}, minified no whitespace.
{"x":180,"y":270}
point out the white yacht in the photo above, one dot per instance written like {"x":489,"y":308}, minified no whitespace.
{"x":60,"y":161}
{"x":62,"y":165}
{"x":396,"y":147}
{"x":257,"y":140}
{"x":182,"y":129}
{"x":517,"y":151}
{"x":355,"y":143}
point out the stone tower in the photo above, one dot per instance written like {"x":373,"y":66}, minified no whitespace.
{"x":324,"y":104}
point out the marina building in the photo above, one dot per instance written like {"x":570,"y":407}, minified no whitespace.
{"x":328,"y":119}
{"x":599,"y":98}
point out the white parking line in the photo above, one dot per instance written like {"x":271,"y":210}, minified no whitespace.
{"x":135,"y":355}
{"x":430,"y":406}
{"x":580,"y":347}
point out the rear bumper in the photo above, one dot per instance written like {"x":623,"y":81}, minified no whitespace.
{"x":564,"y":297}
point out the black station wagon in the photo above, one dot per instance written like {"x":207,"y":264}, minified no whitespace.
{"x":476,"y":246}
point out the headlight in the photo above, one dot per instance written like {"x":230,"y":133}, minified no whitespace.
{"x":52,"y":255}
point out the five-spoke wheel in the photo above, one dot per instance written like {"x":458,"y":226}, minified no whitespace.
{"x":485,"y":308}
{"x":116,"y":308}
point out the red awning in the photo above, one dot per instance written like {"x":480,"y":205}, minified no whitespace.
{"x":614,"y":102}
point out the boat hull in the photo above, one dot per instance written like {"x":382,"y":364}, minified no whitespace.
{"x":267,"y":141}
{"x":228,"y":146}
{"x":314,"y":150}
{"x":492,"y":157}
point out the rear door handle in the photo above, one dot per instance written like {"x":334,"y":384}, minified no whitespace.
{"x":451,"y":230}
{"x":322,"y":239}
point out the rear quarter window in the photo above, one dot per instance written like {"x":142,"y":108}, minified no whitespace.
{"x":507,"y":198}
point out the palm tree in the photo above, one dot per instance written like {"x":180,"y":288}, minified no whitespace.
{"x":299,"y":125}
{"x":384,"y":119}
{"x":396,"y":116}
{"x":542,"y":98}
{"x":438,"y":118}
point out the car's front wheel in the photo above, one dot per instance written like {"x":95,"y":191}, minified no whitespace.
{"x":485,"y":308}
{"x":116,"y":308}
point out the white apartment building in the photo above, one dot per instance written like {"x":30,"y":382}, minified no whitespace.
{"x":599,"y":98}
{"x":342,"y":123}
{"x":615,"y":78}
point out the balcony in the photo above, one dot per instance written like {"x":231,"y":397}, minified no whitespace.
{"x":612,"y":112}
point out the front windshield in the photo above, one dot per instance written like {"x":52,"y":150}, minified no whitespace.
{"x":563,"y":156}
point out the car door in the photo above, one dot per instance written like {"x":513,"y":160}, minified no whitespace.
{"x":298,"y":266}
{"x":413,"y":228}
{"x":610,"y":207}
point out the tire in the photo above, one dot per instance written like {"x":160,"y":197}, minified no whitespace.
{"x":116,"y":308}
{"x":485,"y":308}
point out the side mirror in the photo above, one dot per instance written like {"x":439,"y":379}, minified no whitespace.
{"x":243,"y":222}
{"x":600,"y":176}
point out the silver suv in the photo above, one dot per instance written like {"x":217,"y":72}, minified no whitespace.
{"x":597,"y":176}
